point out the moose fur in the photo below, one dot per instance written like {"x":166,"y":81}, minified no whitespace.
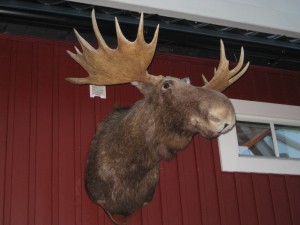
{"x":123,"y":162}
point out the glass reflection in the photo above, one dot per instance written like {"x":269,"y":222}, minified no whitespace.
{"x":288,"y":139}
{"x":255,"y":139}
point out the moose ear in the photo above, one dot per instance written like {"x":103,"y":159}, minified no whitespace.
{"x":186,"y":80}
{"x":145,"y":88}
{"x":136,"y":83}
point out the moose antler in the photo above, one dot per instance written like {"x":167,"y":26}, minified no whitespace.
{"x":130,"y":60}
{"x":223,"y":77}
{"x":106,"y":66}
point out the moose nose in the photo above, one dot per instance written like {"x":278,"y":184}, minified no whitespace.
{"x":225,"y":125}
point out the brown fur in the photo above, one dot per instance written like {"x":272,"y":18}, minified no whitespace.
{"x":123,"y":161}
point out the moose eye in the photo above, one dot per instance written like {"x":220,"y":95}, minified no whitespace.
{"x":166,"y":85}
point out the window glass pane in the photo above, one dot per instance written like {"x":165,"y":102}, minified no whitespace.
{"x":288,"y":139}
{"x":255,"y":139}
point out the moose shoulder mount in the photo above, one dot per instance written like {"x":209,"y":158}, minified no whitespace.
{"x":123,"y":162}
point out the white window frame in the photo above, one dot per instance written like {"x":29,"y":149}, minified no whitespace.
{"x":265,"y":113}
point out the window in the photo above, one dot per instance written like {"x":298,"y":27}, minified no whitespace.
{"x":256,"y":139}
{"x":266,"y":139}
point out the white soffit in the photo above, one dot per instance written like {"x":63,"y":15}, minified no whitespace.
{"x":269,"y":16}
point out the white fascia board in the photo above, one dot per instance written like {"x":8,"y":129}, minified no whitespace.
{"x":268,"y":16}
{"x":288,"y":114}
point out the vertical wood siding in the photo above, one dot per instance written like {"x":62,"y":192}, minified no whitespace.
{"x":46,"y":125}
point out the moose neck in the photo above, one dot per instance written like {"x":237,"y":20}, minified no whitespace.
{"x":161,"y":136}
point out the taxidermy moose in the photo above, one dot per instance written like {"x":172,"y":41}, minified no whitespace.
{"x":123,"y":161}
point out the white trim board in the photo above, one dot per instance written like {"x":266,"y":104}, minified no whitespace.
{"x":274,"y":17}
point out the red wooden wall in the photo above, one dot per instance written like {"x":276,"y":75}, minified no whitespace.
{"x":46,"y":125}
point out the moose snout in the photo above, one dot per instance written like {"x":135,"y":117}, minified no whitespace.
{"x":221,"y":119}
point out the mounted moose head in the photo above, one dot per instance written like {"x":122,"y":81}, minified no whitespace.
{"x":123,"y":161}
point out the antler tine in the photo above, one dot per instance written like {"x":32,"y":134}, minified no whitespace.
{"x":122,"y":40}
{"x":101,"y":42}
{"x":86,"y":47}
{"x":153,"y":43}
{"x":80,"y":58}
{"x":106,"y":66}
{"x":224,"y":63}
{"x":140,"y":33}
{"x":241,"y":73}
{"x":239,"y":65}
{"x":223,"y":77}
{"x":204,"y":79}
